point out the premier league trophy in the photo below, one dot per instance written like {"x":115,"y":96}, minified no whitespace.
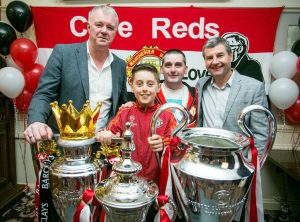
{"x":211,"y":174}
{"x":74,"y":171}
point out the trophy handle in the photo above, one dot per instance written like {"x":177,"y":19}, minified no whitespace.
{"x":172,"y":204}
{"x":183,"y":123}
{"x":272,"y":128}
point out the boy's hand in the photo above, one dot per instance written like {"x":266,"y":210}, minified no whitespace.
{"x":156,"y":143}
{"x":104,"y":136}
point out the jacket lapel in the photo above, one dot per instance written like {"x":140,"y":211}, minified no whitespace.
{"x":202,"y":82}
{"x":115,"y":83}
{"x":81,"y":56}
{"x":235,"y":88}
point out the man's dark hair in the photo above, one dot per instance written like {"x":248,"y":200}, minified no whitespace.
{"x":146,"y":67}
{"x":174,"y":51}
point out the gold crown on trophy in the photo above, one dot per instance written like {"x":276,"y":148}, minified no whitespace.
{"x":74,"y":125}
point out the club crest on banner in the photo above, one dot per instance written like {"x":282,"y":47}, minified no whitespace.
{"x":151,"y":55}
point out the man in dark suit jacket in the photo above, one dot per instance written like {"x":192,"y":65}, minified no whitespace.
{"x":80,"y":72}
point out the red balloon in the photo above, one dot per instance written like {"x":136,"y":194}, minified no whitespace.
{"x":32,"y":77}
{"x":293,"y":113}
{"x":24,"y":53}
{"x":23,"y":100}
{"x":298,"y":65}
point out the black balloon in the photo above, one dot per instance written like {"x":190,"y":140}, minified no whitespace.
{"x":19,"y":15}
{"x":7,"y":36}
{"x":2,"y":62}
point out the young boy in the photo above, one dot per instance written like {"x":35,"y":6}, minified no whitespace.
{"x":145,"y":84}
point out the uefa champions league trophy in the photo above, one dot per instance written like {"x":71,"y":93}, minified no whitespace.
{"x":211,"y":174}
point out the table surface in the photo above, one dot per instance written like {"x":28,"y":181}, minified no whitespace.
{"x":288,"y":161}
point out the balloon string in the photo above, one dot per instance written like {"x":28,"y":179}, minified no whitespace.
{"x":22,"y":144}
{"x":282,"y":118}
{"x":23,"y":152}
{"x":24,"y":119}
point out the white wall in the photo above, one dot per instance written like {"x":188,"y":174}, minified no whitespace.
{"x":273,"y":182}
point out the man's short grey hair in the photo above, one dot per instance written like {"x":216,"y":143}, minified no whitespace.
{"x":213,"y":42}
{"x":107,"y":10}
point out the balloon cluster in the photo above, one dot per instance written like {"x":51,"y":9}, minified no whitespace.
{"x":19,"y":72}
{"x":284,"y":92}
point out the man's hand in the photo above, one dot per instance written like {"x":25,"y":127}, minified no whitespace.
{"x":38,"y":131}
{"x":156,"y":143}
{"x":127,"y":105}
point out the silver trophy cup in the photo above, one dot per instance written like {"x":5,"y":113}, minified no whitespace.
{"x":212,"y":177}
{"x":71,"y":174}
{"x":127,"y":197}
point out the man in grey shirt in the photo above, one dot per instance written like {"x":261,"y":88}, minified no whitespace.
{"x":224,"y":94}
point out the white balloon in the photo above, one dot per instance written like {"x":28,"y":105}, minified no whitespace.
{"x":283,"y":65}
{"x":12,"y":82}
{"x":283,"y":93}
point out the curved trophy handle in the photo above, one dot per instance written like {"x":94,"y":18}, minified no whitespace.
{"x":183,"y":123}
{"x":172,"y":204}
{"x":271,"y":130}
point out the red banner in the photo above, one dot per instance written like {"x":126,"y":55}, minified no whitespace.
{"x":185,"y":28}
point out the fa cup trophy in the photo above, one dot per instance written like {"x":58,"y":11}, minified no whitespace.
{"x":127,"y":197}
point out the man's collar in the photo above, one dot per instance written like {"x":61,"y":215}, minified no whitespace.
{"x":110,"y":57}
{"x":228,"y":83}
